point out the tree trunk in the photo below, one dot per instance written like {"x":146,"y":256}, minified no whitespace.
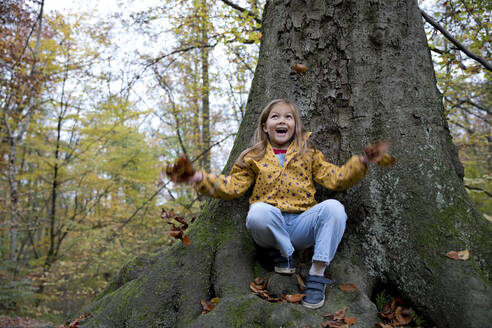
{"x":369,"y":77}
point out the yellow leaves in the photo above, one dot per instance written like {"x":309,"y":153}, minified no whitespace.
{"x":461,"y":255}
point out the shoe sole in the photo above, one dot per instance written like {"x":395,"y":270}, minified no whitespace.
{"x":285,"y":270}
{"x":313,"y":306}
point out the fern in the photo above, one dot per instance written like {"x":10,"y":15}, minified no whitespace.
{"x":382,"y":298}
{"x":419,"y":320}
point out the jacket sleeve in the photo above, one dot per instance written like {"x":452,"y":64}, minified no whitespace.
{"x":227,"y":186}
{"x":334,"y":177}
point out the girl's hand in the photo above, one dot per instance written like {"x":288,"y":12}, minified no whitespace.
{"x":375,"y":152}
{"x":196,"y":178}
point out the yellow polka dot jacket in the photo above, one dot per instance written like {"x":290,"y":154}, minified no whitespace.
{"x":291,"y":187}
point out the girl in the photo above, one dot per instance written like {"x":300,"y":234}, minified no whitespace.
{"x":283,"y":214}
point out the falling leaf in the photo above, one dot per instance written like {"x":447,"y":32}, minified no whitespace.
{"x":175,"y":233}
{"x":299,"y":68}
{"x":182,"y":221}
{"x":349,"y":320}
{"x":348,"y":287}
{"x":295,"y":298}
{"x":181,"y":170}
{"x":387,"y":160}
{"x":167,"y":214}
{"x":461,"y":255}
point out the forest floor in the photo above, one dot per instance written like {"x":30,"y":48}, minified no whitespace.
{"x":25,"y":322}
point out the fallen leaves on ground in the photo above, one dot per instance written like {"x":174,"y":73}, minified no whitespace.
{"x":208,"y":306}
{"x":395,"y":314}
{"x":299,"y":68}
{"x":181,"y":170}
{"x":25,"y":322}
{"x":258,"y":287}
{"x":338,"y":320}
{"x":76,"y":322}
{"x":461,"y":255}
{"x":177,"y":231}
{"x":348,"y":287}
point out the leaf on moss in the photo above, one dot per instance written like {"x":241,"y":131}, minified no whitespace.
{"x":348,"y":287}
{"x":208,"y":306}
{"x":299,"y":68}
{"x":349,"y":320}
{"x":294,"y":298}
{"x":461,"y":255}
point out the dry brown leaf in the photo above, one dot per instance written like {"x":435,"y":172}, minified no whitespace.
{"x":259,"y":281}
{"x":167,"y":214}
{"x":181,"y":170}
{"x":294,"y":298}
{"x":333,"y":324}
{"x":207,"y":306}
{"x":387,"y":160}
{"x":299,"y":68}
{"x":175,"y":233}
{"x":300,"y":282}
{"x":383,"y":325}
{"x":397,"y":301}
{"x":340,"y":314}
{"x":349,"y":320}
{"x":402,"y":320}
{"x":348,"y":287}
{"x":186,"y":240}
{"x":461,"y":255}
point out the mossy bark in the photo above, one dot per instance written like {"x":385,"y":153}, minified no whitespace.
{"x":369,"y":77}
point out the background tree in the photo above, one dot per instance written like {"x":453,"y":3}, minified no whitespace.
{"x":466,"y":86}
{"x":369,"y":77}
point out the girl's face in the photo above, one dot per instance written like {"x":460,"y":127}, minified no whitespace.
{"x":280,"y":126}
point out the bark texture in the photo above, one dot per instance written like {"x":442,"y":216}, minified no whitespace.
{"x":369,"y":77}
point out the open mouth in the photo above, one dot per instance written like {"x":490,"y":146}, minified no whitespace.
{"x":281,"y":131}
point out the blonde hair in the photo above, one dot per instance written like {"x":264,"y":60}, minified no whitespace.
{"x":260,"y":139}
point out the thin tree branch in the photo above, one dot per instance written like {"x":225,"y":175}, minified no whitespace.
{"x":479,"y":189}
{"x":243,"y":10}
{"x":470,"y":54}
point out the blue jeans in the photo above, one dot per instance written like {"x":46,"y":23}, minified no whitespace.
{"x":322,"y":226}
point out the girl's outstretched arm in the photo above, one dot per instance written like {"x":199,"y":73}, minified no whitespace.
{"x":225,"y":186}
